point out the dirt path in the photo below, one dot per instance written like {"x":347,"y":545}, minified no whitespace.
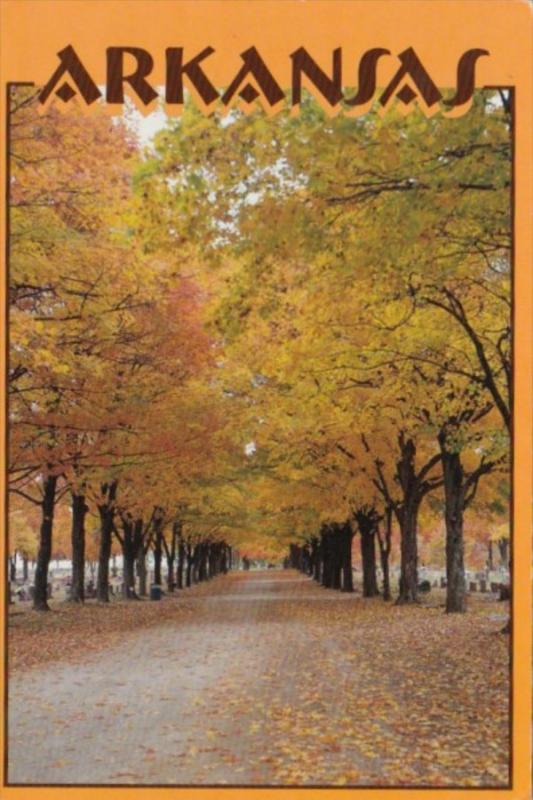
{"x":273,"y":680}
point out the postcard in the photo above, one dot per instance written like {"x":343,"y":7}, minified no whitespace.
{"x":267,"y":377}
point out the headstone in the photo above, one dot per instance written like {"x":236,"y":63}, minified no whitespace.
{"x":482,"y":585}
{"x":505,"y":592}
{"x":473,"y":586}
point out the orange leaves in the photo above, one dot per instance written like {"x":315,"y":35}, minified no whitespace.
{"x":112,"y":367}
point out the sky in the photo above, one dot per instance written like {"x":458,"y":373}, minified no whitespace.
{"x":146,"y":126}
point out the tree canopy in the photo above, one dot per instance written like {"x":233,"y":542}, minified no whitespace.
{"x":260,"y":331}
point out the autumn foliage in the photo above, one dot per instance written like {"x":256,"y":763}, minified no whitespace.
{"x":260,"y":334}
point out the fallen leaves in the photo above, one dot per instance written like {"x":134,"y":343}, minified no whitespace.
{"x":72,"y":632}
{"x":319,"y":688}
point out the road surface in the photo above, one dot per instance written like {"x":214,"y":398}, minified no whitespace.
{"x":273,"y":680}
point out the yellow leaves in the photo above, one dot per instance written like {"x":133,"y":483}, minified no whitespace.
{"x":62,"y":369}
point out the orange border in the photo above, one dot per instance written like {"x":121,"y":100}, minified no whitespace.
{"x":32,"y":31}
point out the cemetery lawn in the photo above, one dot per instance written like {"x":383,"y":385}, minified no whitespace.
{"x":260,"y":678}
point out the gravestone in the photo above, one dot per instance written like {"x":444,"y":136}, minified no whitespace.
{"x":505,"y":592}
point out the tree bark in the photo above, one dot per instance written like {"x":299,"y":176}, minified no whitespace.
{"x":40,"y":600}
{"x":132,"y":545}
{"x":170,"y":573}
{"x":79,"y":510}
{"x":368,"y":558}
{"x":141,"y":571}
{"x":336,"y":558}
{"x":384,"y":552}
{"x":224,"y":558}
{"x":408,"y":521}
{"x":407,"y":515}
{"x":327,"y":571}
{"x":181,"y":563}
{"x":367,"y":520}
{"x":106,"y":510}
{"x":188,"y":576}
{"x":128,"y":575}
{"x":158,"y":553}
{"x":346,"y":535}
{"x":315,"y":558}
{"x":490,"y":558}
{"x":454,"y":496}
{"x":195,"y":563}
{"x":503,"y":547}
{"x":202,"y":562}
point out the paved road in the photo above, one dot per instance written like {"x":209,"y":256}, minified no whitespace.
{"x":270,"y":682}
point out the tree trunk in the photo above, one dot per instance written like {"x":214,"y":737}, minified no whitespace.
{"x":384,"y":559}
{"x":315,"y":559}
{"x":224,"y":558}
{"x":45,"y":544}
{"x":158,"y":555}
{"x":79,"y":510}
{"x":170,"y":573}
{"x":368,"y":520}
{"x":336,"y":546}
{"x":347,"y":575}
{"x":106,"y":509}
{"x":454,"y":494}
{"x":368,"y":560}
{"x":141,"y":571}
{"x":132,"y":545}
{"x":104,"y":554}
{"x":188,"y":576}
{"x":407,"y":515}
{"x":170,"y":553}
{"x":384,"y":552}
{"x":326,"y":559}
{"x":195,"y":563}
{"x":202,"y":563}
{"x":408,"y":519}
{"x":128,"y":574}
{"x":503,"y":547}
{"x":25,"y":574}
{"x":181,"y":563}
{"x":490,"y":557}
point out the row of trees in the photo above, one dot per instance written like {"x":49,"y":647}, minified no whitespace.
{"x":366,"y":267}
{"x":114,"y":412}
{"x":333,"y":294}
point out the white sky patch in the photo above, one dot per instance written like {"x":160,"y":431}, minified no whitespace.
{"x":144,"y":126}
{"x":250,"y":448}
{"x":147,"y":126}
